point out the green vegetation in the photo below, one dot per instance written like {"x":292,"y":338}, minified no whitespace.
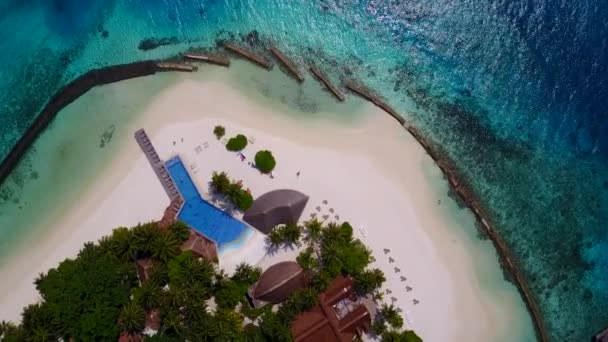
{"x":231,"y":191}
{"x":288,"y":234}
{"x":230,"y":292}
{"x":237,"y":143}
{"x":97,"y":296}
{"x":219,"y":132}
{"x":264,"y":161}
{"x":387,"y":325}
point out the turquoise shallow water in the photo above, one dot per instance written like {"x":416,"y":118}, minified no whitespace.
{"x":513,"y":92}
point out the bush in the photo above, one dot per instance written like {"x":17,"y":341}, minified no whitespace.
{"x":264,"y":161}
{"x":219,"y":132}
{"x":243,"y":200}
{"x":233,"y":191}
{"x":237,"y":143}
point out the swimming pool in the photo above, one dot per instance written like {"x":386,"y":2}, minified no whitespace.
{"x":201,"y":215}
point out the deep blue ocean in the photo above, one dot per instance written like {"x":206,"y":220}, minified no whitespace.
{"x":514,"y":92}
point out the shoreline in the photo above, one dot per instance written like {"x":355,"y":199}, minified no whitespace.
{"x":82,"y":84}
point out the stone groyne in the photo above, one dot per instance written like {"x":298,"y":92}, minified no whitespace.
{"x":212,"y":59}
{"x":67,"y":95}
{"x":325,"y":81}
{"x":288,"y":64}
{"x":175,"y":66}
{"x":250,"y":55}
{"x":368,"y":95}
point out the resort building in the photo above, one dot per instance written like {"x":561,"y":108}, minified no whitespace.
{"x":200,"y":246}
{"x":340,"y":316}
{"x":274,"y":208}
{"x":277,"y":283}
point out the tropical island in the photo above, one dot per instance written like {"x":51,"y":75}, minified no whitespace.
{"x":166,"y":280}
{"x":240,"y":185}
{"x":147,"y":283}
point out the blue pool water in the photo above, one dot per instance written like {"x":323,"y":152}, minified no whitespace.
{"x":200,"y":214}
{"x":514,"y":92}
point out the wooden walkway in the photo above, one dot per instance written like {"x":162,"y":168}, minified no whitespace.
{"x":323,"y":79}
{"x":158,"y":165}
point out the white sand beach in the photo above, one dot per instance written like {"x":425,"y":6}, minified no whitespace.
{"x":369,"y":171}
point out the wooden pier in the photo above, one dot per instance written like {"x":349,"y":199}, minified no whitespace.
{"x":288,"y":64}
{"x":212,"y":59}
{"x":158,"y":165}
{"x":366,"y":94}
{"x":172,"y":66}
{"x":323,"y":79}
{"x":250,"y":55}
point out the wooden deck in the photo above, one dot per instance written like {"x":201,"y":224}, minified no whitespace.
{"x":368,"y":95}
{"x":250,"y":55}
{"x":325,"y":81}
{"x":288,"y":64}
{"x":212,"y":59}
{"x":157,"y":164}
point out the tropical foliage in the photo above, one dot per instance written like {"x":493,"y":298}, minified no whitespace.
{"x":231,"y":190}
{"x":264,"y":161}
{"x":288,"y":234}
{"x":97,"y":295}
{"x":219,"y":132}
{"x":237,"y":143}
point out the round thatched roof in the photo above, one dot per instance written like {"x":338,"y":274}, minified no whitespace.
{"x":274,"y":208}
{"x":279,"y":281}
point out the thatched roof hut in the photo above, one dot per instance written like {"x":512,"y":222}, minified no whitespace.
{"x":274,"y":208}
{"x":278,"y":282}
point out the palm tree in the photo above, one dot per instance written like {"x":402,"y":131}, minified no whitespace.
{"x":192,"y":271}
{"x":291,"y":233}
{"x":180,"y":231}
{"x":313,"y":227}
{"x":227,"y":325}
{"x":172,"y":323}
{"x":132,"y":318}
{"x":119,"y":244}
{"x":275,"y":238}
{"x":307,"y":260}
{"x":391,"y":316}
{"x":176,"y":297}
{"x":220,"y":182}
{"x":246,"y":274}
{"x":149,"y":296}
{"x":143,"y":238}
{"x":165,"y":247}
{"x":42,"y":334}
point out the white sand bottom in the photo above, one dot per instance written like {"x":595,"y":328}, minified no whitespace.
{"x":370,"y":172}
